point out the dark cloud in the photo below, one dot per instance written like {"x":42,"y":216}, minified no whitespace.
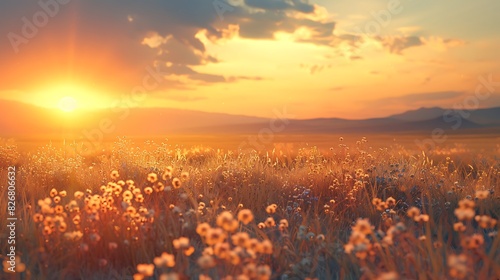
{"x":90,"y":39}
{"x":396,"y":44}
{"x":274,"y":5}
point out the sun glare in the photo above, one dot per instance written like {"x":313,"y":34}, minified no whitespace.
{"x":67,"y":104}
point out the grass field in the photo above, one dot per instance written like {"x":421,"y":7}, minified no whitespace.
{"x":301,"y":207}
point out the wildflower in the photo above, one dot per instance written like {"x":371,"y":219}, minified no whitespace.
{"x":215,"y":235}
{"x":485,"y":221}
{"x":263,"y":272}
{"x":392,"y":275}
{"x":466,"y":203}
{"x":114,"y":175}
{"x":240,"y":238}
{"x":250,"y":270}
{"x":363,"y":226}
{"x":224,"y":218}
{"x":482,"y":194}
{"x":231,"y":226}
{"x":221,"y":250}
{"x":320,"y":237}
{"x":269,"y":222}
{"x":53,"y":192}
{"x":127,"y":195}
{"x":138,"y":276}
{"x":283,"y":224}
{"x":391,"y":202}
{"x":59,"y":209}
{"x":184,"y":175}
{"x":182,"y":243}
{"x":63,"y":193}
{"x":169,"y":276}
{"x":472,"y":242}
{"x":159,"y":186}
{"x":19,"y":266}
{"x":459,"y":227}
{"x":245,"y":216}
{"x":38,"y":218}
{"x":176,"y":183}
{"x":152,"y":177}
{"x":464,"y":213}
{"x":458,"y":266}
{"x":165,"y":260}
{"x":422,"y":218}
{"x":146,"y":269}
{"x":252,"y":245}
{"x":167,"y":176}
{"x":413,"y":212}
{"x":233,"y":257}
{"x":271,"y":209}
{"x":148,"y":190}
{"x":202,"y":229}
{"x":79,"y":194}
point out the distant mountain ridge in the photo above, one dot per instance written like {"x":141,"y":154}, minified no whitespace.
{"x":20,"y":119}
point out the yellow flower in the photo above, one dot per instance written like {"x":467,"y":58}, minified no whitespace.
{"x":422,"y":218}
{"x":152,"y":177}
{"x":176,"y":183}
{"x":459,"y":227}
{"x":388,"y":276}
{"x":390,"y":202}
{"x":114,"y":175}
{"x":482,"y":194}
{"x":269,"y":222}
{"x":458,"y":265}
{"x":245,"y":216}
{"x":363,"y":226}
{"x":166,"y":260}
{"x":240,"y":238}
{"x":202,"y":229}
{"x":271,"y":209}
{"x":413,"y":212}
{"x":215,"y":235}
{"x":146,"y":269}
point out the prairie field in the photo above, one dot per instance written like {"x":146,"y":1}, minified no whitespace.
{"x":301,"y":207}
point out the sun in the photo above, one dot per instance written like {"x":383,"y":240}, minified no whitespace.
{"x":68,"y":104}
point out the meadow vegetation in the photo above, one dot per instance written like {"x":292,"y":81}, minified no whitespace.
{"x":158,"y":211}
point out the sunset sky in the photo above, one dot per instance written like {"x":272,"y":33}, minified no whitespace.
{"x":317,"y":58}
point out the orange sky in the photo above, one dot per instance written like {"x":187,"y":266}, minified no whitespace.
{"x":314,"y":58}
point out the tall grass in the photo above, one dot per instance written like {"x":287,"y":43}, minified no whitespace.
{"x":155,"y":211}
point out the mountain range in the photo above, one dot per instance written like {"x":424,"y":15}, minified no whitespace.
{"x":21,"y":119}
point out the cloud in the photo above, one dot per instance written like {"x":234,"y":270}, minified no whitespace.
{"x":396,"y":44}
{"x":418,"y":99}
{"x":280,"y":5}
{"x":130,"y":35}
